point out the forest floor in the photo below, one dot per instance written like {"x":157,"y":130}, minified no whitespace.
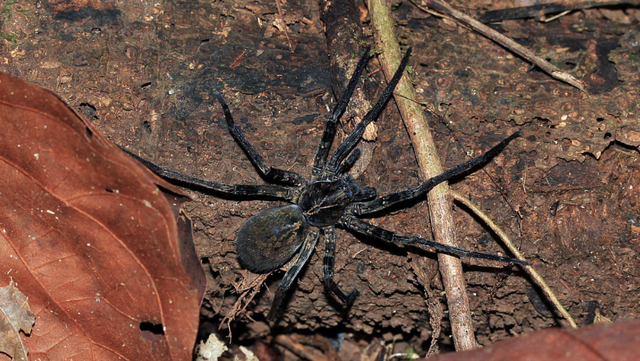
{"x":567,"y":191}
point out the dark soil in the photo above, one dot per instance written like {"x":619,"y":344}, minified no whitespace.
{"x":566,"y":192}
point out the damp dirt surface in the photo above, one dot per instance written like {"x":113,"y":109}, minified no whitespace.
{"x":567,"y":191}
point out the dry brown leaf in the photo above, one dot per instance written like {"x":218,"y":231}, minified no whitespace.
{"x":614,"y":341}
{"x":92,"y":238}
{"x":15,"y":316}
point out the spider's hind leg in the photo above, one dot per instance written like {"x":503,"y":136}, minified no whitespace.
{"x":362,"y":227}
{"x":327,"y":270}
{"x":303,"y":256}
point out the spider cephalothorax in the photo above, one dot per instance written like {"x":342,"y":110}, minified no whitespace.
{"x":332,"y":198}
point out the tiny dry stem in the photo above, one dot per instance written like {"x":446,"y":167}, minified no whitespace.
{"x":535,"y":276}
{"x":284,"y":26}
{"x":505,"y":41}
{"x":299,"y":349}
{"x":540,"y":10}
{"x":429,"y":162}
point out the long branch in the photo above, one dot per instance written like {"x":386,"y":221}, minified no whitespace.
{"x":429,"y":162}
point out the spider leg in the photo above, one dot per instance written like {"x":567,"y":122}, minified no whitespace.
{"x":349,"y":162}
{"x":352,"y":140}
{"x":273,"y":175}
{"x":303,"y":256}
{"x":357,"y":225}
{"x":332,"y":122}
{"x":359,"y":193}
{"x":327,"y":270}
{"x":261,"y":190}
{"x":376,"y":205}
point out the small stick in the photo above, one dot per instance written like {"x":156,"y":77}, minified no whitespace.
{"x":505,"y":41}
{"x":539,"y":11}
{"x":537,"y":278}
{"x":299,"y":349}
{"x":284,"y":25}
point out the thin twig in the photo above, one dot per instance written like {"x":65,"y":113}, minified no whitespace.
{"x":537,"y":278}
{"x":248,"y":288}
{"x":555,"y":17}
{"x":299,"y":349}
{"x":539,"y":11}
{"x":429,"y":162}
{"x":505,"y":41}
{"x":284,"y":25}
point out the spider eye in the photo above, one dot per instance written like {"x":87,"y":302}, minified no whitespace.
{"x":270,"y":238}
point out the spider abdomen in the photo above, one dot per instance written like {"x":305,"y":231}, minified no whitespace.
{"x":324,"y":202}
{"x":270,"y":238}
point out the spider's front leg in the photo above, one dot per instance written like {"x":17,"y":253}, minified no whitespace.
{"x":360,"y":226}
{"x":356,"y":135}
{"x":332,"y":123}
{"x":327,"y":270}
{"x":273,"y":175}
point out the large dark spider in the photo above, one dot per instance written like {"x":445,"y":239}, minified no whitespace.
{"x":331,"y":198}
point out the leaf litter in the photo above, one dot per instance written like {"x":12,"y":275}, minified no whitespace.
{"x":15,"y":316}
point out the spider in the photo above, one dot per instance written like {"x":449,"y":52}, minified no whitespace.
{"x":332,"y":198}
